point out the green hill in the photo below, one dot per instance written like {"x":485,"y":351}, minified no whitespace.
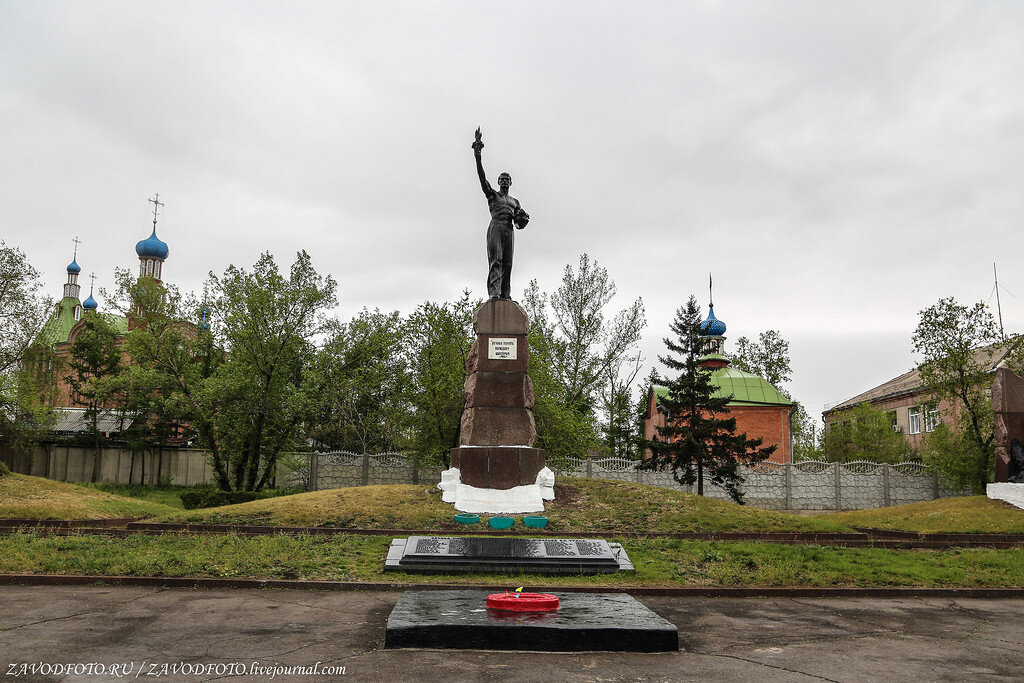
{"x":973,"y":514}
{"x":23,"y":496}
{"x":579,"y":505}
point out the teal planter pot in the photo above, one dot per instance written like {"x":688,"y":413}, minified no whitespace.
{"x":535,"y":521}
{"x":467,"y":518}
{"x":500,"y":522}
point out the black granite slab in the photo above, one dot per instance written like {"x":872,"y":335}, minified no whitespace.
{"x":443,"y":554}
{"x":459,"y":619}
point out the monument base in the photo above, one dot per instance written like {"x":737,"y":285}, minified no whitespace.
{"x":515,"y":500}
{"x":498,"y":467}
{"x":1008,"y":492}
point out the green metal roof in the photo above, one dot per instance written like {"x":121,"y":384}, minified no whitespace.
{"x":745,"y":388}
{"x":58,"y":327}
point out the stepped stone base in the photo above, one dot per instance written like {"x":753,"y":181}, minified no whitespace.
{"x":498,"y":467}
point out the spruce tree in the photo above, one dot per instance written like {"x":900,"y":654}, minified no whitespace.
{"x":699,"y":441}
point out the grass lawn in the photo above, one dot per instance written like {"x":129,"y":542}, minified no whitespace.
{"x":579,"y":505}
{"x":165,"y":495}
{"x":659,"y":562}
{"x":23,"y":496}
{"x":973,"y":514}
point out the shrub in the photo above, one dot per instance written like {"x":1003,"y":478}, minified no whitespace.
{"x":211,"y":498}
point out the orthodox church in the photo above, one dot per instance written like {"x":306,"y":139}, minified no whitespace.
{"x":761,"y":410}
{"x":58,"y":334}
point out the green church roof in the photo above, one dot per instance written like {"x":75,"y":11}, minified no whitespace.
{"x":58,"y":327}
{"x":746,"y":389}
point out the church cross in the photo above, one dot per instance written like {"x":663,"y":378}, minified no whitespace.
{"x":77,"y":242}
{"x":156,"y":207}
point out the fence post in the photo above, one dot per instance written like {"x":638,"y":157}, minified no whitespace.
{"x":639,"y":476}
{"x":839,"y":495}
{"x":885,"y":484}
{"x":314,"y":471}
{"x":590,"y":468}
{"x":366,"y":469}
{"x":787,"y":470}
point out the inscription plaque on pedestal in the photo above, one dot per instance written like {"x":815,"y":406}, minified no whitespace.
{"x":501,"y":348}
{"x":469,"y":553}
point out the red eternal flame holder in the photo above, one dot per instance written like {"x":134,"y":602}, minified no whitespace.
{"x":523,"y":602}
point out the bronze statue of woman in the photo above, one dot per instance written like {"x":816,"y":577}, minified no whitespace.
{"x":505,"y":211}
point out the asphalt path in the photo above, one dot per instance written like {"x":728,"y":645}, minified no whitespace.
{"x":79,"y":633}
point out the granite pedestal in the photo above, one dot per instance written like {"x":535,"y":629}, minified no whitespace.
{"x":495,"y":455}
{"x":583,"y":622}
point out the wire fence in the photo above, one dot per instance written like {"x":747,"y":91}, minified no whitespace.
{"x":807,"y":485}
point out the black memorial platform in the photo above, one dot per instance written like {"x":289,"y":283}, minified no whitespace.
{"x":459,"y":619}
{"x":445,"y":554}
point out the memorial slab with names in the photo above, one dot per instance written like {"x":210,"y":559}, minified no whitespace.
{"x":427,"y":554}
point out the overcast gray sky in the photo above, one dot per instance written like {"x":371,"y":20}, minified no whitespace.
{"x":838,"y":165}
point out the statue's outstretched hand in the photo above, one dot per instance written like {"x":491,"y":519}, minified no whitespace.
{"x":478,"y":143}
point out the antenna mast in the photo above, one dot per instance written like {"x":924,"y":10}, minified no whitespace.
{"x":999,"y":307}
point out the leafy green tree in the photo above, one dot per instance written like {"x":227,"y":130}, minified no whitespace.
{"x":24,"y":376}
{"x":948,"y":337}
{"x":958,"y":459}
{"x":767,"y":358}
{"x":563,"y":430}
{"x":160,"y":392}
{"x":94,"y":361}
{"x":865,"y":433}
{"x":698,"y":442}
{"x":582,"y":362}
{"x":621,"y":429}
{"x":439,"y":338}
{"x":245,"y":383}
{"x":363,"y":376}
{"x":264,"y":391}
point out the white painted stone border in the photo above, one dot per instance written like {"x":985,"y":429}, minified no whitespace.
{"x":1011,"y":493}
{"x":516,"y":500}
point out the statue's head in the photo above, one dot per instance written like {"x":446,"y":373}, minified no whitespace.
{"x":504,"y":180}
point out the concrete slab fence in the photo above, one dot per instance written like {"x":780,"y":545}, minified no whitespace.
{"x":808,"y":485}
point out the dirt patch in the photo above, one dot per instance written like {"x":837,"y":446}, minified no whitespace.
{"x":566,"y":496}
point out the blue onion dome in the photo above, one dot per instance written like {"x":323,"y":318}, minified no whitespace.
{"x":152,"y":247}
{"x":90,"y":303}
{"x":712,"y":327}
{"x":73,"y":267}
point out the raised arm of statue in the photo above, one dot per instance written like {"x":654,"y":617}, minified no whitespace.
{"x":478,"y":145}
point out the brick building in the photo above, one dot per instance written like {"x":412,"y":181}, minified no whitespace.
{"x":761,"y":410}
{"x":912,"y":411}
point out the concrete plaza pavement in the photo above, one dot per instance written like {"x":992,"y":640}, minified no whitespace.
{"x":779,"y":639}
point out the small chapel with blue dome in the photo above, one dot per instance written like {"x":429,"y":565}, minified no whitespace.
{"x":761,"y":410}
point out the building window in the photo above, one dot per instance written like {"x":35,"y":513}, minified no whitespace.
{"x":893,"y":421}
{"x":156,"y":269}
{"x":78,"y":313}
{"x":931,"y":418}
{"x":914,"y":414}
